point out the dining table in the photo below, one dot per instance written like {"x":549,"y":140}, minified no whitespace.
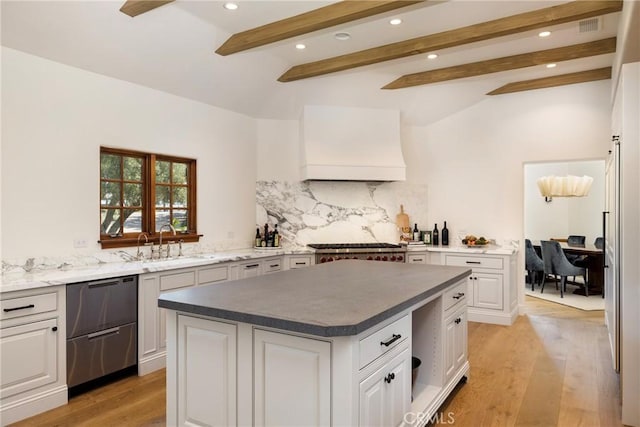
{"x":592,"y":258}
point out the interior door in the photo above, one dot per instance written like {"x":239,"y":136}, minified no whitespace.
{"x":611,"y":232}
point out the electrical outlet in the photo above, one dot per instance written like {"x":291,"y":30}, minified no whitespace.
{"x":79,"y":243}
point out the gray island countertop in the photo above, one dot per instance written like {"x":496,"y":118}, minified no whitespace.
{"x":332,"y":299}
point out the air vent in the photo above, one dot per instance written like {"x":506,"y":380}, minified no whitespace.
{"x":589,"y":25}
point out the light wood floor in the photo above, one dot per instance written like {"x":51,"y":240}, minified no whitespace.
{"x":551,"y":368}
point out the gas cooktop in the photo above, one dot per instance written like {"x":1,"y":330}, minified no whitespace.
{"x":353,"y":246}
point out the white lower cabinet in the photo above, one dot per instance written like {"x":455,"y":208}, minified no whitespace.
{"x":292,"y":380}
{"x":152,"y":336}
{"x":491,"y":292}
{"x":487,"y":290}
{"x":33,"y":372}
{"x":206,"y":364}
{"x":385,"y":395}
{"x":455,"y":342}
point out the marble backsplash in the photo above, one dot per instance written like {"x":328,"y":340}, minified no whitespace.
{"x":338,"y":211}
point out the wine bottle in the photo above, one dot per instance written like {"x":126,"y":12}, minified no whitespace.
{"x":276,"y":236}
{"x":266,"y":235}
{"x":416,"y":233}
{"x":258,"y":238}
{"x":434,"y":238}
{"x":445,"y":235}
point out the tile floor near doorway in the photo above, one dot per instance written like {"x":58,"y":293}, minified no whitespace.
{"x":552,"y":367}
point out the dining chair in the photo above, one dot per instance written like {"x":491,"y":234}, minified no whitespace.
{"x":533,"y":264}
{"x":574,"y":240}
{"x":557,"y":264}
{"x":599,"y":243}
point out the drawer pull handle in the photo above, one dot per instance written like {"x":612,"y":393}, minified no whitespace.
{"x":301,"y":263}
{"x":390,"y":378}
{"x":473,"y":262}
{"x":394,"y":338}
{"x":103,"y":283}
{"x":458,"y":295}
{"x":24,"y":307}
{"x":274,"y":265}
{"x":100,"y":334}
{"x":251,"y":266}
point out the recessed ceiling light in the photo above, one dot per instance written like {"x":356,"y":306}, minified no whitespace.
{"x":544,"y":34}
{"x":342,"y":36}
{"x":230,"y":6}
{"x":551,"y":65}
{"x":432,"y":56}
{"x":395,"y":21}
{"x":301,"y":46}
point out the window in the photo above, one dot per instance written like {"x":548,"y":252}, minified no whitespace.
{"x":142,"y":192}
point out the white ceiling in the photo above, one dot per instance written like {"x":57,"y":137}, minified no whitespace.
{"x":171,"y":48}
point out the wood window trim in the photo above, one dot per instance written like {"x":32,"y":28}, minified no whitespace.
{"x":148,"y":211}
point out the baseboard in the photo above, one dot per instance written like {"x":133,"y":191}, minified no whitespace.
{"x":152,"y":363}
{"x":33,"y":404}
{"x":500,"y":318}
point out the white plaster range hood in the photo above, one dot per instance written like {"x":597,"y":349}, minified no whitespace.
{"x":351,"y":144}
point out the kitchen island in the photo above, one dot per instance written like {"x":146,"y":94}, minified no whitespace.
{"x":326,"y":345}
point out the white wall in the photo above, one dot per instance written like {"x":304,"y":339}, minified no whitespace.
{"x":56,"y":117}
{"x":278,"y":150}
{"x":563,"y":216}
{"x":473,"y":161}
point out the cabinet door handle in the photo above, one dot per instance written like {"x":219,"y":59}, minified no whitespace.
{"x":24,"y":307}
{"x":473,"y":262}
{"x":390,"y":378}
{"x":458,"y":320}
{"x":394,"y":338}
{"x":54,"y":329}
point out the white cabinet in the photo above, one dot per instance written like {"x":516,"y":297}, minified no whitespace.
{"x":487,"y":290}
{"x":417,"y":258}
{"x":33,"y":352}
{"x":455,"y":342}
{"x":257,"y":267}
{"x":151,"y":320}
{"x":206,"y":366}
{"x":385,"y":395}
{"x":491,"y":292}
{"x":292,"y":262}
{"x":292,"y":383}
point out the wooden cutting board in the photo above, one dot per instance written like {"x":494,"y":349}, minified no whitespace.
{"x":402,"y":219}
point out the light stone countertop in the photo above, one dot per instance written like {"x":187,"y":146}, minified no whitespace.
{"x":489,"y":249}
{"x":38,"y":278}
{"x":333,"y":299}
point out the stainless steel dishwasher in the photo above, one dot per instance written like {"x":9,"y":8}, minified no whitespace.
{"x":101,"y":328}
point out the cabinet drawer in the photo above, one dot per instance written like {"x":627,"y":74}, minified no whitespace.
{"x":178,"y":280}
{"x":299,"y":262}
{"x":383,"y":340}
{"x":474,"y":261}
{"x":26,"y":306}
{"x":271,"y":265}
{"x":417,"y":258}
{"x":455,"y":295}
{"x":212,"y":275}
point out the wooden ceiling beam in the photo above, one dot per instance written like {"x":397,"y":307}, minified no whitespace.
{"x":318,"y":19}
{"x":137,"y":7}
{"x":561,"y":80}
{"x":582,"y":50}
{"x":555,"y":15}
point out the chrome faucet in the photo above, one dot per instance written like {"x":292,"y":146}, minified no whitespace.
{"x":139,"y":254}
{"x":173,"y":231}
